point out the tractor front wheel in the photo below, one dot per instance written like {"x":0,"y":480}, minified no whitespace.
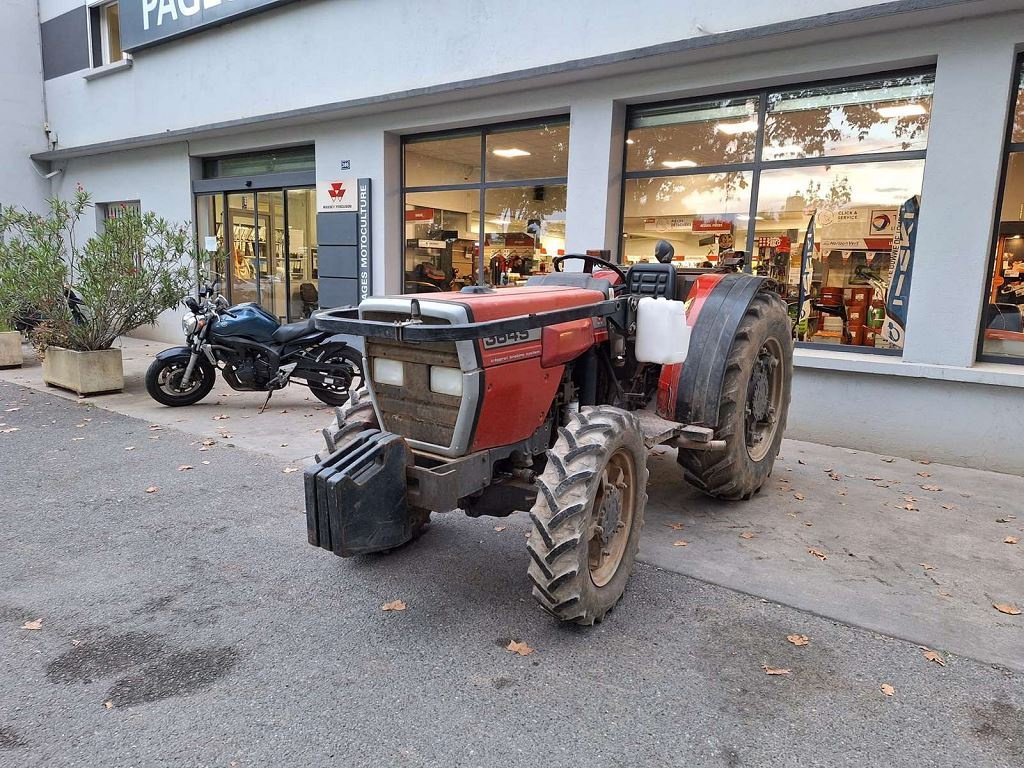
{"x":753,"y":407}
{"x":588,"y":515}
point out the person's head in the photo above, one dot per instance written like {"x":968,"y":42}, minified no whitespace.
{"x":664,"y":252}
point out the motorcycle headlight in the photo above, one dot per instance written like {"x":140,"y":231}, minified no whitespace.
{"x":189,"y":323}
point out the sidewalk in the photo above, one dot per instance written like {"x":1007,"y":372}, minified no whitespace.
{"x":911,"y":550}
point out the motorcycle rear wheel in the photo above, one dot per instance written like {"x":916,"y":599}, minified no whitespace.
{"x":337,"y":394}
{"x":163,"y":380}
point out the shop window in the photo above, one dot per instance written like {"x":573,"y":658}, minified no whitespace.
{"x":1002,"y":333}
{"x":485,"y":206}
{"x":743,"y":177}
{"x":106,"y":34}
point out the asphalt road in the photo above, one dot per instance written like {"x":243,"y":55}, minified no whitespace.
{"x":194,"y":626}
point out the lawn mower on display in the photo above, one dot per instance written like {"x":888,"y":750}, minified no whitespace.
{"x":547,"y":398}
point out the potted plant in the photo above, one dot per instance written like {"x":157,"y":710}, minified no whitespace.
{"x":84,"y":296}
{"x":10,"y":347}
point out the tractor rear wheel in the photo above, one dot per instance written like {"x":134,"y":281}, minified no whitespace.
{"x":753,"y":408}
{"x":588,"y":515}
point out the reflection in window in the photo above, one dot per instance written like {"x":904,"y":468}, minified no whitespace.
{"x":884,"y":115}
{"x":708,"y":133}
{"x":464,"y":225}
{"x":870,"y":136}
{"x":1003,"y":319}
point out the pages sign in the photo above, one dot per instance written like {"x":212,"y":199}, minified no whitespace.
{"x":148,"y":22}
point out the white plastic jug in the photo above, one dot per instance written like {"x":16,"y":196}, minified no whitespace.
{"x":662,"y":335}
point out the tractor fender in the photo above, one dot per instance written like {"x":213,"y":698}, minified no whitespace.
{"x":699,"y":390}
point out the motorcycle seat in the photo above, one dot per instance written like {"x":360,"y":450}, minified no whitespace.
{"x":292,"y":331}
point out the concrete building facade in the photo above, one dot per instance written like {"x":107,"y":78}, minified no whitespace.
{"x":352,"y":83}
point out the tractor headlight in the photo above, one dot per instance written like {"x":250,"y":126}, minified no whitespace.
{"x":389,"y":371}
{"x":189,"y":323}
{"x":446,"y":381}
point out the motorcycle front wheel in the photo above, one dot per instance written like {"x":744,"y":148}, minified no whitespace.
{"x":339,"y":354}
{"x":163,"y":380}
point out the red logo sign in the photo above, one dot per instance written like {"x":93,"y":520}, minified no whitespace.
{"x":337,"y":190}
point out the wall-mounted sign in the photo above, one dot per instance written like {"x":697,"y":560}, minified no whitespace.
{"x":710,"y":225}
{"x":420,"y":214}
{"x":149,"y":22}
{"x":364,"y":244}
{"x":336,"y":195}
{"x":346,"y":165}
{"x":432,"y":244}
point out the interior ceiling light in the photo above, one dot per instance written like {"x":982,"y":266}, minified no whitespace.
{"x":746,"y":126}
{"x":512,"y":152}
{"x":902,"y":110}
{"x":745,"y":217}
{"x":679,"y":163}
{"x":630,"y":141}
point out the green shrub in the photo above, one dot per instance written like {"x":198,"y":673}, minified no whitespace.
{"x":136,"y":267}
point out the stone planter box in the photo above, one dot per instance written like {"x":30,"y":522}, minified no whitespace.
{"x":10,"y":349}
{"x":87,"y":373}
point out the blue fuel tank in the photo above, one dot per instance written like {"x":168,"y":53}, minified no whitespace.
{"x":248,"y":320}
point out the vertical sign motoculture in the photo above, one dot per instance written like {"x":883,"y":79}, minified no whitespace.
{"x":364,"y":247}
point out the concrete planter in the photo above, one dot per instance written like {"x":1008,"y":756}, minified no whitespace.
{"x":10,"y":349}
{"x":87,"y":373}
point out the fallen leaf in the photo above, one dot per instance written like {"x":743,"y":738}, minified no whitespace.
{"x":37,"y":624}
{"x":835,"y":476}
{"x":800,"y":461}
{"x":930,"y":488}
{"x":909,"y":506}
{"x":108,"y":704}
{"x":155,"y":428}
{"x":748,"y":535}
{"x":1006,"y":519}
{"x":924,"y":474}
{"x":871,"y":477}
{"x":808,"y":523}
{"x":221,"y":417}
{"x":78,"y":438}
{"x":935,"y":656}
{"x":209,"y":442}
{"x":927,"y":566}
{"x":924,"y":461}
{"x":674,"y":526}
{"x":888,"y":460}
{"x":1011,"y":540}
{"x":799,"y":640}
{"x":184,"y":467}
{"x":948,"y":506}
{"x":394,"y":605}
{"x":11,"y":410}
{"x":887,"y":689}
{"x":842,"y":492}
{"x":519,"y":647}
{"x":130,"y":448}
{"x":798,"y":496}
{"x":10,"y":429}
{"x":153,"y":489}
{"x":284,"y":445}
{"x":79,"y":426}
{"x":1010,"y":610}
{"x":817,"y":553}
{"x":680,"y":543}
{"x":774,"y":670}
{"x":205,"y":461}
{"x":500,"y":528}
{"x":289,"y":470}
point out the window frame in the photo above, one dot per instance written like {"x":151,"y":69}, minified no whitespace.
{"x":99,"y":35}
{"x":1010,"y":148}
{"x":757,"y":165}
{"x":483,"y":186}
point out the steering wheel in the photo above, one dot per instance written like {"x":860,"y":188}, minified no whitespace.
{"x":588,"y":264}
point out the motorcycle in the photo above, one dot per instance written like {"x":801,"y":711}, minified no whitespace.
{"x":254,"y":353}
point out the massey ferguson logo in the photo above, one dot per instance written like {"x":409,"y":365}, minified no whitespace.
{"x":337,"y":191}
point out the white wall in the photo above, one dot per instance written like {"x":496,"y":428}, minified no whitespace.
{"x":322,"y":51}
{"x":21,"y":106}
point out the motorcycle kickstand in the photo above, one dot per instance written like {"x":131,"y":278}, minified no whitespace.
{"x":266,"y":402}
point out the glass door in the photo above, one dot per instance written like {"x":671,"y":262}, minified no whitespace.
{"x":272,"y":272}
{"x":303,"y":293}
{"x":243,"y":258}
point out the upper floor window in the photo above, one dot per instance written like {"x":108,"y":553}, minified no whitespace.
{"x":106,"y":34}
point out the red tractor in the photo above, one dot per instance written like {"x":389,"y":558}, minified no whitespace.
{"x":492,"y":400}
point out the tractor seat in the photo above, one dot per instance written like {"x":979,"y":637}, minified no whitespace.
{"x":652,"y":280}
{"x":292,"y":331}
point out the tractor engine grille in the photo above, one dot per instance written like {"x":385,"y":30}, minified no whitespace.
{"x":413,"y":411}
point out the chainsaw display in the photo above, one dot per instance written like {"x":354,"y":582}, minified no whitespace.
{"x":534,"y":398}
